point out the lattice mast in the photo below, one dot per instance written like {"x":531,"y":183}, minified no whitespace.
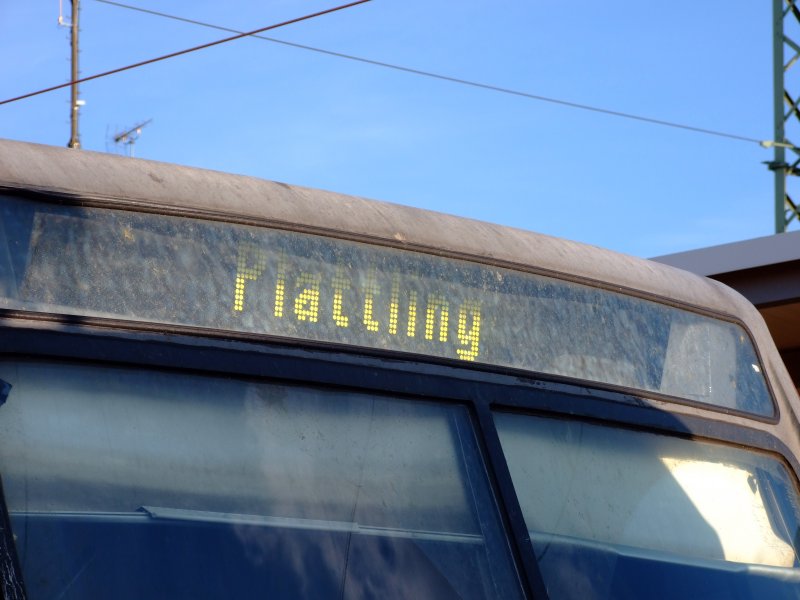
{"x":785,"y":20}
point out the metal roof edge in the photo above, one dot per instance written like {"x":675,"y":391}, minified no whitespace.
{"x":94,"y":175}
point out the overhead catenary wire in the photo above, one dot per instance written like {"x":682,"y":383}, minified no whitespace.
{"x":185,"y":51}
{"x":457,"y":80}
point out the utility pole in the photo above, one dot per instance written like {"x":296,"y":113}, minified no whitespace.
{"x":74,"y":105}
{"x":786,"y":106}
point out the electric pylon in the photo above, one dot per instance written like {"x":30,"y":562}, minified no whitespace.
{"x":785,"y":25}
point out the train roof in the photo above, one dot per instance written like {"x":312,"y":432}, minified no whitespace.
{"x":111,"y":180}
{"x":134,"y":183}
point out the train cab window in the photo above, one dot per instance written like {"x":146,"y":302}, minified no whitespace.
{"x":130,"y":483}
{"x":623,"y":514}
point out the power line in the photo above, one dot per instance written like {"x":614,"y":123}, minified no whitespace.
{"x":182,"y":52}
{"x":475,"y":84}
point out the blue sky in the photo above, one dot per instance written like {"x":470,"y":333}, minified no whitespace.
{"x":300,"y":117}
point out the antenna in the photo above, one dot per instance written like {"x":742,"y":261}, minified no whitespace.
{"x":61,"y":20}
{"x":129,"y":136}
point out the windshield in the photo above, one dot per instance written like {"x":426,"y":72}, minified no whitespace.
{"x":125,"y":483}
{"x":622,"y":514}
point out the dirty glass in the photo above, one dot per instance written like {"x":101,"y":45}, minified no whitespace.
{"x":126,"y":483}
{"x":618,"y":514}
{"x":144,"y":267}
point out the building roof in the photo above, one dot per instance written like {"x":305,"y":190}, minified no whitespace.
{"x":738,"y":256}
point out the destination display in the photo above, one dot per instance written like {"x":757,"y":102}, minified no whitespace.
{"x":222,"y":276}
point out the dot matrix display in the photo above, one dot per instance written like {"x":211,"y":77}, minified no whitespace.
{"x":70,"y":260}
{"x":369,"y":297}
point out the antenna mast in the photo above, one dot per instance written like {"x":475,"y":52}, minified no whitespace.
{"x":75,"y":103}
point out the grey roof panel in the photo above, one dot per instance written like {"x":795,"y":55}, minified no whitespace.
{"x":737,"y":256}
{"x":121,"y":180}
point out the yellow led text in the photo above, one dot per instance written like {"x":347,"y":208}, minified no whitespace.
{"x":356,"y":302}
{"x":280,"y":287}
{"x":437,"y":301}
{"x":469,"y":337}
{"x":249,"y":266}
{"x":306,"y":305}
{"x":370,"y":291}
{"x":340,"y":285}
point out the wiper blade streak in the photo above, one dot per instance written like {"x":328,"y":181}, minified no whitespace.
{"x":157,"y":513}
{"x":179,"y":514}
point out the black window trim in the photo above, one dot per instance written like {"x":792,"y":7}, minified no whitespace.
{"x":224,"y":338}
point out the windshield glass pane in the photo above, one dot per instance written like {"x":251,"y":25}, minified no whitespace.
{"x":615,"y":513}
{"x":144,"y":267}
{"x":139,"y":484}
